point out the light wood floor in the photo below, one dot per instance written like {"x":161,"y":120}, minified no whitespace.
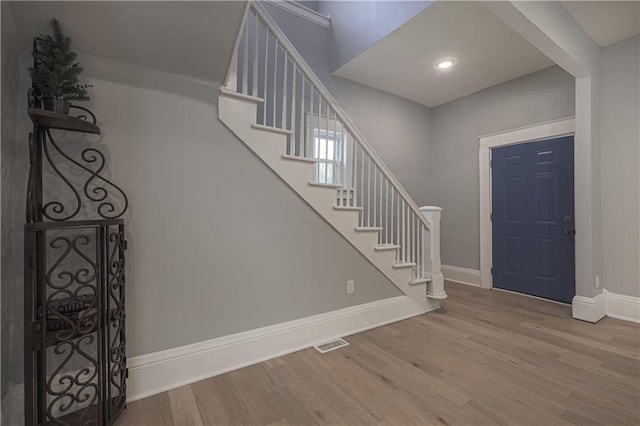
{"x":487,"y":357}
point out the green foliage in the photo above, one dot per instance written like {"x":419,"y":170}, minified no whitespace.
{"x":55,"y":73}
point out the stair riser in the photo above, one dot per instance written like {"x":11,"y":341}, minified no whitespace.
{"x":384,"y":257}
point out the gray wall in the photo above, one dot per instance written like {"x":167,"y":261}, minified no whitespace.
{"x":453,"y":162}
{"x":311,"y":4}
{"x":620,"y":139}
{"x":218,"y":244}
{"x":358,"y":25}
{"x":13,"y":185}
{"x":397,"y":129}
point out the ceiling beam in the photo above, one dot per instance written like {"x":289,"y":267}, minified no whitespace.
{"x":551,"y":29}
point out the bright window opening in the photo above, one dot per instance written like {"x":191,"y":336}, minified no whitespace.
{"x":330,"y":148}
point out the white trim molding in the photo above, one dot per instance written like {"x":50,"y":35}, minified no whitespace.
{"x":302,"y":12}
{"x":550,"y":129}
{"x":590,"y":309}
{"x":536,"y":132}
{"x":461,"y":275}
{"x":160,"y":371}
{"x":593,"y":309}
{"x":623,"y":307}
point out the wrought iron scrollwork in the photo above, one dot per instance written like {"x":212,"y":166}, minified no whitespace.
{"x":68,"y":390}
{"x":84,"y":116}
{"x":107,"y":209}
{"x":70,"y":320}
{"x":115,"y":329}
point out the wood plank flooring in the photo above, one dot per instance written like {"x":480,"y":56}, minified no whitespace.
{"x":485,"y":358}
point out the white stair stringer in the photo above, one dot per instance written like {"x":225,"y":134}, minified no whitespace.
{"x":238,"y":113}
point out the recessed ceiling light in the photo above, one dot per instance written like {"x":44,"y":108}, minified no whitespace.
{"x":445,"y":64}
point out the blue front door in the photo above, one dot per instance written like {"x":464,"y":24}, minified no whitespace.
{"x":533,"y":218}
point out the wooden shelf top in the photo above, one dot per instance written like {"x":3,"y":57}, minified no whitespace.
{"x":53,"y":120}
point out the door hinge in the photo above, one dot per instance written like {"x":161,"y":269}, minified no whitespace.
{"x":491,"y":216}
{"x":492,"y":270}
{"x":126,"y":373}
{"x":125,"y":244}
{"x":490,"y":163}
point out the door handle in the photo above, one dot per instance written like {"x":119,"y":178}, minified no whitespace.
{"x":567,"y":231}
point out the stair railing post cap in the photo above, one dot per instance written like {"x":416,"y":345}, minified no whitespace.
{"x":430,"y":209}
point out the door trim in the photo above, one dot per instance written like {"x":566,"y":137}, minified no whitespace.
{"x":547,"y":130}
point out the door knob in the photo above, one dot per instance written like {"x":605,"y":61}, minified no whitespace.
{"x":568,"y":231}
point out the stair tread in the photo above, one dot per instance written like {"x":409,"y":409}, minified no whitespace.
{"x":325,"y":185}
{"x":298,"y":158}
{"x":350,"y":208}
{"x":424,"y":279}
{"x":403,"y":264}
{"x":226,"y":92}
{"x":380,"y":247}
{"x":368,"y":228}
{"x":271,"y":129}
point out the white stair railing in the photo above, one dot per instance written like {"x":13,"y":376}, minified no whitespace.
{"x":266,"y":65}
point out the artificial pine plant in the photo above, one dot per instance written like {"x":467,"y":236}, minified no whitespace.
{"x":55,"y":73}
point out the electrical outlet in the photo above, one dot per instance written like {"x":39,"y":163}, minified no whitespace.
{"x":597,"y":281}
{"x":351,"y":287}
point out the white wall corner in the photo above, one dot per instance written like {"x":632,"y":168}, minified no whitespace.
{"x":461,"y":275}
{"x":590,"y":309}
{"x":164,"y":370}
{"x":623,"y":307}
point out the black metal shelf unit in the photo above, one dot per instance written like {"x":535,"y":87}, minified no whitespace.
{"x":74,"y":288}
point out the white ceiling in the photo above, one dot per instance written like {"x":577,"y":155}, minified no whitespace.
{"x":193,"y":39}
{"x":606,"y":22}
{"x":486,"y":50}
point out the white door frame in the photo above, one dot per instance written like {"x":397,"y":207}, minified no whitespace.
{"x":534,"y":133}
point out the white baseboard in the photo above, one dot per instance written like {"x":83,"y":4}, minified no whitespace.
{"x":593,"y":309}
{"x":461,"y":275}
{"x":623,"y":307}
{"x":160,"y":371}
{"x":590,"y":309}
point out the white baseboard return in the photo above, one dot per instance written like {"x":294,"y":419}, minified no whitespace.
{"x":606,"y":304}
{"x":590,"y":309}
{"x":157,"y":372}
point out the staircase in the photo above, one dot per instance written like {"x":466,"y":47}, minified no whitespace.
{"x":277,"y":106}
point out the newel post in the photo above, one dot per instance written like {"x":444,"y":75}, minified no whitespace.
{"x":435,"y":288}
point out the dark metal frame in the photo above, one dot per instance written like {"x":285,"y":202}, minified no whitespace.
{"x":42,"y":145}
{"x":79,"y":263}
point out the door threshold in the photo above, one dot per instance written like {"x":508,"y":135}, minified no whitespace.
{"x":531,"y":296}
